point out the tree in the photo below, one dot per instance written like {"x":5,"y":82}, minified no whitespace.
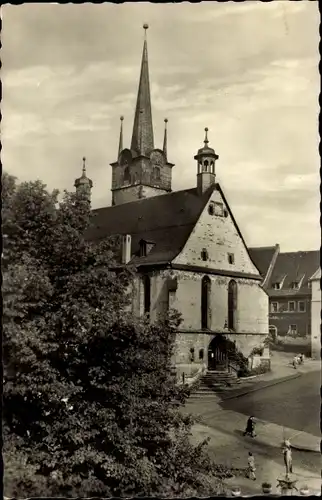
{"x":90,"y":404}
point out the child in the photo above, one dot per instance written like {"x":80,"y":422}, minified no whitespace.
{"x":251,"y":467}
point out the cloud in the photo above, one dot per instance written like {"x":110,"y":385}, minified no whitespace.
{"x":246,"y":70}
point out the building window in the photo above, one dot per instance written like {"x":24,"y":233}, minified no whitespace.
{"x":201,"y":354}
{"x":291,"y":306}
{"x":143,"y":248}
{"x":204,"y":254}
{"x":293,"y":329}
{"x":295,"y":285}
{"x":205,"y":302}
{"x":192,"y":354}
{"x":232,"y":304}
{"x":225,"y":212}
{"x":219,"y":209}
{"x":276,"y":286}
{"x":126,"y":174}
{"x":301,"y":306}
{"x":231,"y":258}
{"x":211,"y":208}
{"x":146,"y":293}
{"x":274,"y":307}
{"x":157,"y":174}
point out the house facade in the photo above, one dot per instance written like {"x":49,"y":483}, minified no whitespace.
{"x":316,"y":315}
{"x":286,"y":278}
{"x":186,"y":246}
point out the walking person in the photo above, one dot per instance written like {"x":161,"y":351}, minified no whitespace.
{"x":287,"y":453}
{"x":251,"y":470}
{"x":294,"y":362}
{"x":250,"y":427}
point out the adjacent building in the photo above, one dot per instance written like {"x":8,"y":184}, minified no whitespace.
{"x":186,"y":245}
{"x":286,"y":278}
{"x":316,"y":314}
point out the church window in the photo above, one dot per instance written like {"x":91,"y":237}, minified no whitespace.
{"x":232,"y":304}
{"x":219,"y":209}
{"x":156,"y":172}
{"x":231,"y":258}
{"x":201,"y":354}
{"x":204,"y":254}
{"x":205,"y":302}
{"x":211,"y":208}
{"x":146,"y":293}
{"x":126,"y":174}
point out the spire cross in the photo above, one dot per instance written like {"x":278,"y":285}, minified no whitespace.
{"x":206,"y":136}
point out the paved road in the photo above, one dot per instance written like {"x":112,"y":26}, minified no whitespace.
{"x":295,"y":403}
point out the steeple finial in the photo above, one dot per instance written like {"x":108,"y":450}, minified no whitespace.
{"x":84,"y":167}
{"x":206,"y":137}
{"x":142,"y":136}
{"x":165,"y":140}
{"x":121,"y":135}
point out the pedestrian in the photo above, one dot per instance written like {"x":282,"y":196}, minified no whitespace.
{"x":287,"y":453}
{"x":250,"y":427}
{"x":251,"y":467}
{"x":294,"y":362}
{"x":301,"y":359}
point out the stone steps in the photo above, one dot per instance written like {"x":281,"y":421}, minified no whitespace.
{"x":214,"y":381}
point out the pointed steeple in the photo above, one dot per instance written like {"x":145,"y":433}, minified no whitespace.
{"x":121,"y":135}
{"x":142,"y":136}
{"x":165,"y":140}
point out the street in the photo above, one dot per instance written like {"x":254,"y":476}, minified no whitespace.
{"x":287,"y":409}
{"x":295,"y":403}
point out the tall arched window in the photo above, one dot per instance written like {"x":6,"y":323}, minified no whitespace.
{"x":126,"y":174}
{"x":232,"y":304}
{"x":205,"y":302}
{"x":146,"y":293}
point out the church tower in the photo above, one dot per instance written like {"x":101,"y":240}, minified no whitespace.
{"x":84,"y":184}
{"x":141,"y":171}
{"x":206,"y":158}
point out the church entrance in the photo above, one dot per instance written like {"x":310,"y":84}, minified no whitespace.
{"x":217,"y":354}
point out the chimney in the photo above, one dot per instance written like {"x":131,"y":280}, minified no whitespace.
{"x":126,"y":248}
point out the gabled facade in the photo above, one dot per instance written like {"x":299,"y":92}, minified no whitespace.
{"x":186,"y":245}
{"x":315,"y":281}
{"x":286,"y":278}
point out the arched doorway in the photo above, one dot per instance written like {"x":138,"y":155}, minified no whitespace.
{"x":273,"y":332}
{"x":217,"y":354}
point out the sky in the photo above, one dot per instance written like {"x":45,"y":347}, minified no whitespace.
{"x":248,"y":71}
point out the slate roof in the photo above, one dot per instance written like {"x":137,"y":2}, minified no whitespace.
{"x":166,"y":220}
{"x":294,"y":266}
{"x":262,"y":258}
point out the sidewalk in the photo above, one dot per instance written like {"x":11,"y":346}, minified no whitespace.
{"x":227,"y":446}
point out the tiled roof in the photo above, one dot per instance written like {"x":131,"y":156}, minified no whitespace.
{"x":262,"y":258}
{"x":294,"y":266}
{"x":167,"y":220}
{"x":316,"y":275}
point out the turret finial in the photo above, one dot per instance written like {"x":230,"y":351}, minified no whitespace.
{"x":121,"y":135}
{"x":165,"y":140}
{"x":145,"y":27}
{"x":84,"y":166}
{"x":206,"y":136}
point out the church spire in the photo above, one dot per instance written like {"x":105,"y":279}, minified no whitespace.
{"x":165,"y":140}
{"x":142,"y":136}
{"x":121,"y":135}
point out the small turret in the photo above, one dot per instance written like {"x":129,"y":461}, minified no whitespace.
{"x":83,"y":183}
{"x":206,"y":158}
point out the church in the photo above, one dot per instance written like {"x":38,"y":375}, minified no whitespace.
{"x":186,"y":246}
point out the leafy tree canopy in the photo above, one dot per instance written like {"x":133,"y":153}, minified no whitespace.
{"x":90,"y":402}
